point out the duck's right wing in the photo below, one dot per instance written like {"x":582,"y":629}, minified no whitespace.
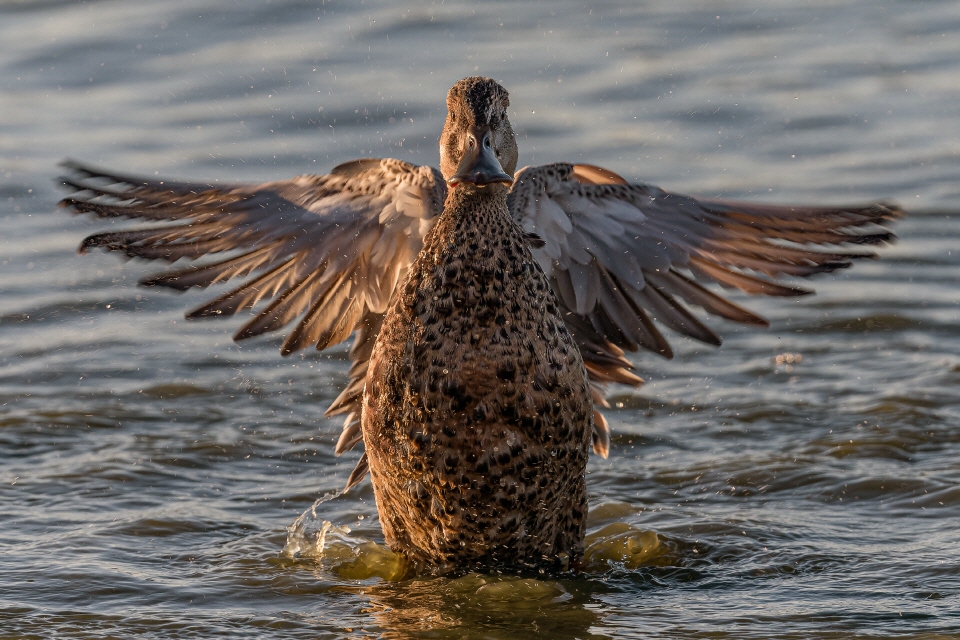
{"x":327,"y":250}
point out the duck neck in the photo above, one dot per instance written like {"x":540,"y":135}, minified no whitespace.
{"x":474,"y":213}
{"x":467,"y":195}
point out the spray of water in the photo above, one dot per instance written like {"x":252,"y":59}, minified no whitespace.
{"x":307,"y":535}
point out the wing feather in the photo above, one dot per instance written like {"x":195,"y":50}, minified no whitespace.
{"x":266,"y":285}
{"x":697,"y":294}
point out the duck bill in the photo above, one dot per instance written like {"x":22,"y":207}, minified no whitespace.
{"x":479,"y":165}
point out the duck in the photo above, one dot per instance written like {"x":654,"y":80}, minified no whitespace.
{"x":490,"y":309}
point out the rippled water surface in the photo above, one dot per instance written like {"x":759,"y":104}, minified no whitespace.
{"x":149,"y":467}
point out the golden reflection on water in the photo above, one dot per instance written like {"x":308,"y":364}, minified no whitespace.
{"x":620,"y":543}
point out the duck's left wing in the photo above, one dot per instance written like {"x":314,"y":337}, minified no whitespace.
{"x":620,"y":255}
{"x":327,"y":251}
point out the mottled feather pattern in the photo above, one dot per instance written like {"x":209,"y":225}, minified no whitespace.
{"x":511,"y":390}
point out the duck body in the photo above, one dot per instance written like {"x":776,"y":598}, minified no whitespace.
{"x":477,"y":414}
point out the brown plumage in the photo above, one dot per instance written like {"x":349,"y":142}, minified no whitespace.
{"x":477,"y":413}
{"x":487,"y":321}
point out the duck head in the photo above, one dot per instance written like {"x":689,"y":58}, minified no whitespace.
{"x":477,"y":146}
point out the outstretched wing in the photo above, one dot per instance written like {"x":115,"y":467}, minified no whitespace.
{"x":621,"y":255}
{"x":328,"y":251}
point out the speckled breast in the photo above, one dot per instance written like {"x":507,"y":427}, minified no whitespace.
{"x":477,"y":412}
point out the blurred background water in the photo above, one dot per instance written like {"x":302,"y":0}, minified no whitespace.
{"x":149,"y":467}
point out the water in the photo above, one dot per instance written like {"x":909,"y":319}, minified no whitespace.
{"x":149,"y":467}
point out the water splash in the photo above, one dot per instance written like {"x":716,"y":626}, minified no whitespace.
{"x":307,"y":535}
{"x":348,"y":556}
